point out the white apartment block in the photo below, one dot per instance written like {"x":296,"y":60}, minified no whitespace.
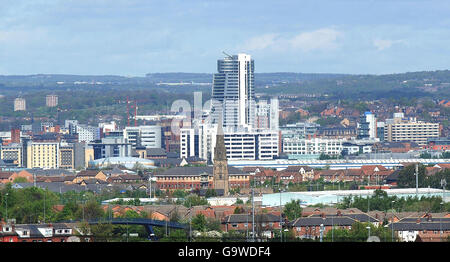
{"x":314,"y":146}
{"x":146,"y":136}
{"x":241,"y":144}
{"x":87,"y":134}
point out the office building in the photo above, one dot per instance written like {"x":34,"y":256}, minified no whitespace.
{"x":111,"y":147}
{"x":233,"y":91}
{"x":312,"y":146}
{"x":367,"y":127}
{"x":248,"y":144}
{"x":401,"y":129}
{"x":146,"y":136}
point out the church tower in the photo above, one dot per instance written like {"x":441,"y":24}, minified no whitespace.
{"x":220,"y":166}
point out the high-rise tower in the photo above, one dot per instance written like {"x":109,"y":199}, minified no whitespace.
{"x":233,"y":91}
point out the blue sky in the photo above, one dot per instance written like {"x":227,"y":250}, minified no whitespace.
{"x":131,"y":37}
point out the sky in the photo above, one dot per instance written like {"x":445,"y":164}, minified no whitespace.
{"x":132,"y":38}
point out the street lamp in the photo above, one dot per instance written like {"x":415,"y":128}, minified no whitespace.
{"x":6,"y":204}
{"x":392,"y":221}
{"x":385,"y":226}
{"x":440,"y":220}
{"x":281,"y":225}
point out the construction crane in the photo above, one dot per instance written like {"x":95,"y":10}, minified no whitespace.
{"x":132,"y":104}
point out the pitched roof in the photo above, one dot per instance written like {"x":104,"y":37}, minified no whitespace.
{"x":248,"y":218}
{"x":251,"y":169}
{"x":114,"y":171}
{"x":362,"y":217}
{"x":6,"y":175}
{"x":297,"y":168}
{"x":327,"y":221}
{"x":156,"y":152}
{"x":373,"y":168}
{"x":88,"y":173}
{"x":197,"y":170}
{"x":413,"y":226}
{"x":49,"y":172}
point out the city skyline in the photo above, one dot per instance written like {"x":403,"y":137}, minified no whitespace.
{"x":134,"y":37}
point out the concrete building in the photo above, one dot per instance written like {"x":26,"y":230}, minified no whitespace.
{"x":248,"y":144}
{"x":19,"y":104}
{"x":51,"y":100}
{"x":146,"y":136}
{"x":299,"y":130}
{"x":266,"y":116}
{"x":66,"y":156}
{"x":367,"y":127}
{"x":401,"y":129}
{"x":111,"y":147}
{"x":87,"y":133}
{"x":71,"y":125}
{"x":108,"y":127}
{"x":313,"y":146}
{"x":42,"y":154}
{"x":13,"y":153}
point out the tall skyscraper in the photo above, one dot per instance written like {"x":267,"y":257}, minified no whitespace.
{"x":233,"y":91}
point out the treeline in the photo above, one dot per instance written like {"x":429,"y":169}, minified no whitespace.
{"x":407,"y":177}
{"x":382,"y":202}
{"x":34,"y":205}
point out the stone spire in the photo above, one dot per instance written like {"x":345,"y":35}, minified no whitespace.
{"x":220,"y":151}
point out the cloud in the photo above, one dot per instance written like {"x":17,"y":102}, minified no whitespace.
{"x":324,"y":39}
{"x":260,"y":42}
{"x":321,"y":39}
{"x":382,"y":44}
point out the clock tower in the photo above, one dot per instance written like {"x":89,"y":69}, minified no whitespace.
{"x":220,"y":165}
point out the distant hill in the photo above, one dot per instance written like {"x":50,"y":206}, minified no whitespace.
{"x":430,"y":83}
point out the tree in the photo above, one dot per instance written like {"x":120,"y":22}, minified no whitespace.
{"x":407,"y":178}
{"x":102,"y":232}
{"x":293,"y":210}
{"x":199,"y":222}
{"x":91,"y":210}
{"x":210,"y":193}
{"x":239,"y":201}
{"x":178,"y":193}
{"x":194,"y":200}
{"x":20,"y":180}
{"x":176,"y":235}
